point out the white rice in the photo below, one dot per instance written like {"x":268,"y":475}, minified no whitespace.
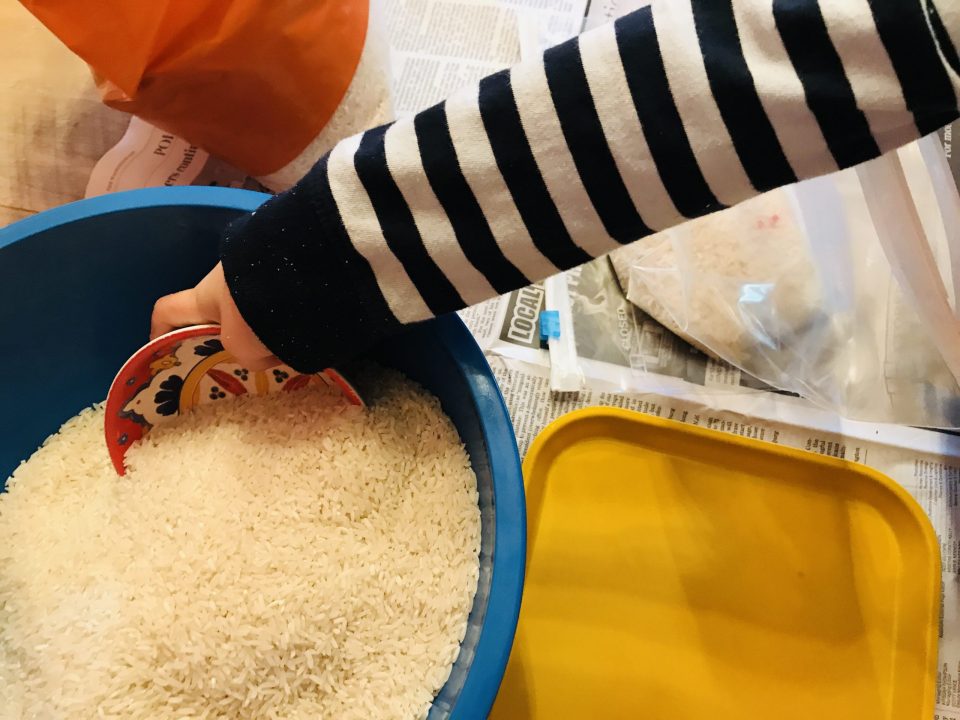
{"x":281,"y":557}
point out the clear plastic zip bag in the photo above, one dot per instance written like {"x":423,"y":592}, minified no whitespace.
{"x":795,"y":288}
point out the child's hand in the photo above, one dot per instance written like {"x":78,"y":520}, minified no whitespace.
{"x":210,"y":302}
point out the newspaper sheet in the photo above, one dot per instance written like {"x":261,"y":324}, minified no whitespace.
{"x":623,"y":350}
{"x":602,"y":11}
{"x":440,"y":46}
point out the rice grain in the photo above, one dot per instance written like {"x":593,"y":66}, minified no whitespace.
{"x":280,"y":557}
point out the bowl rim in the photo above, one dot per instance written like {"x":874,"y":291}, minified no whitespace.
{"x":191,"y":196}
{"x":510,"y":528}
{"x":497,"y":632}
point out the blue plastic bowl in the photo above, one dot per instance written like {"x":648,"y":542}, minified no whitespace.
{"x":79,"y":282}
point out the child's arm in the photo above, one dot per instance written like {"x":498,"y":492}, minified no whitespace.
{"x":672,"y":112}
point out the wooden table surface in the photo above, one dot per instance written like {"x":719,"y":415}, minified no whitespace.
{"x":53,"y":128}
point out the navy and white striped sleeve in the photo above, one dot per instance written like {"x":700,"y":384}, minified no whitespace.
{"x":672,"y":112}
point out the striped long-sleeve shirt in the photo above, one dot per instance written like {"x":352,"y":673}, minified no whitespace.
{"x":672,"y":112}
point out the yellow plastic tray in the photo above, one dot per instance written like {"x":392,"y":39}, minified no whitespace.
{"x":676,"y":573}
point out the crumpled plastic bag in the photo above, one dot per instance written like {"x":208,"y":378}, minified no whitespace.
{"x":794,"y":287}
{"x":711,"y":279}
{"x":254,"y":82}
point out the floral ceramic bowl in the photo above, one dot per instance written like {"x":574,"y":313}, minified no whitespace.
{"x":182,"y":369}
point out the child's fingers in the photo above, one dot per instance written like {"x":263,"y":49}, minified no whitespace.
{"x":210,"y":302}
{"x":179,"y":310}
{"x":241,"y":342}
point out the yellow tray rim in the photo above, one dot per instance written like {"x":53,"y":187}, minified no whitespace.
{"x":542,"y":441}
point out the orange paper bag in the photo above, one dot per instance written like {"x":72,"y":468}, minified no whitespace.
{"x":251,"y":81}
